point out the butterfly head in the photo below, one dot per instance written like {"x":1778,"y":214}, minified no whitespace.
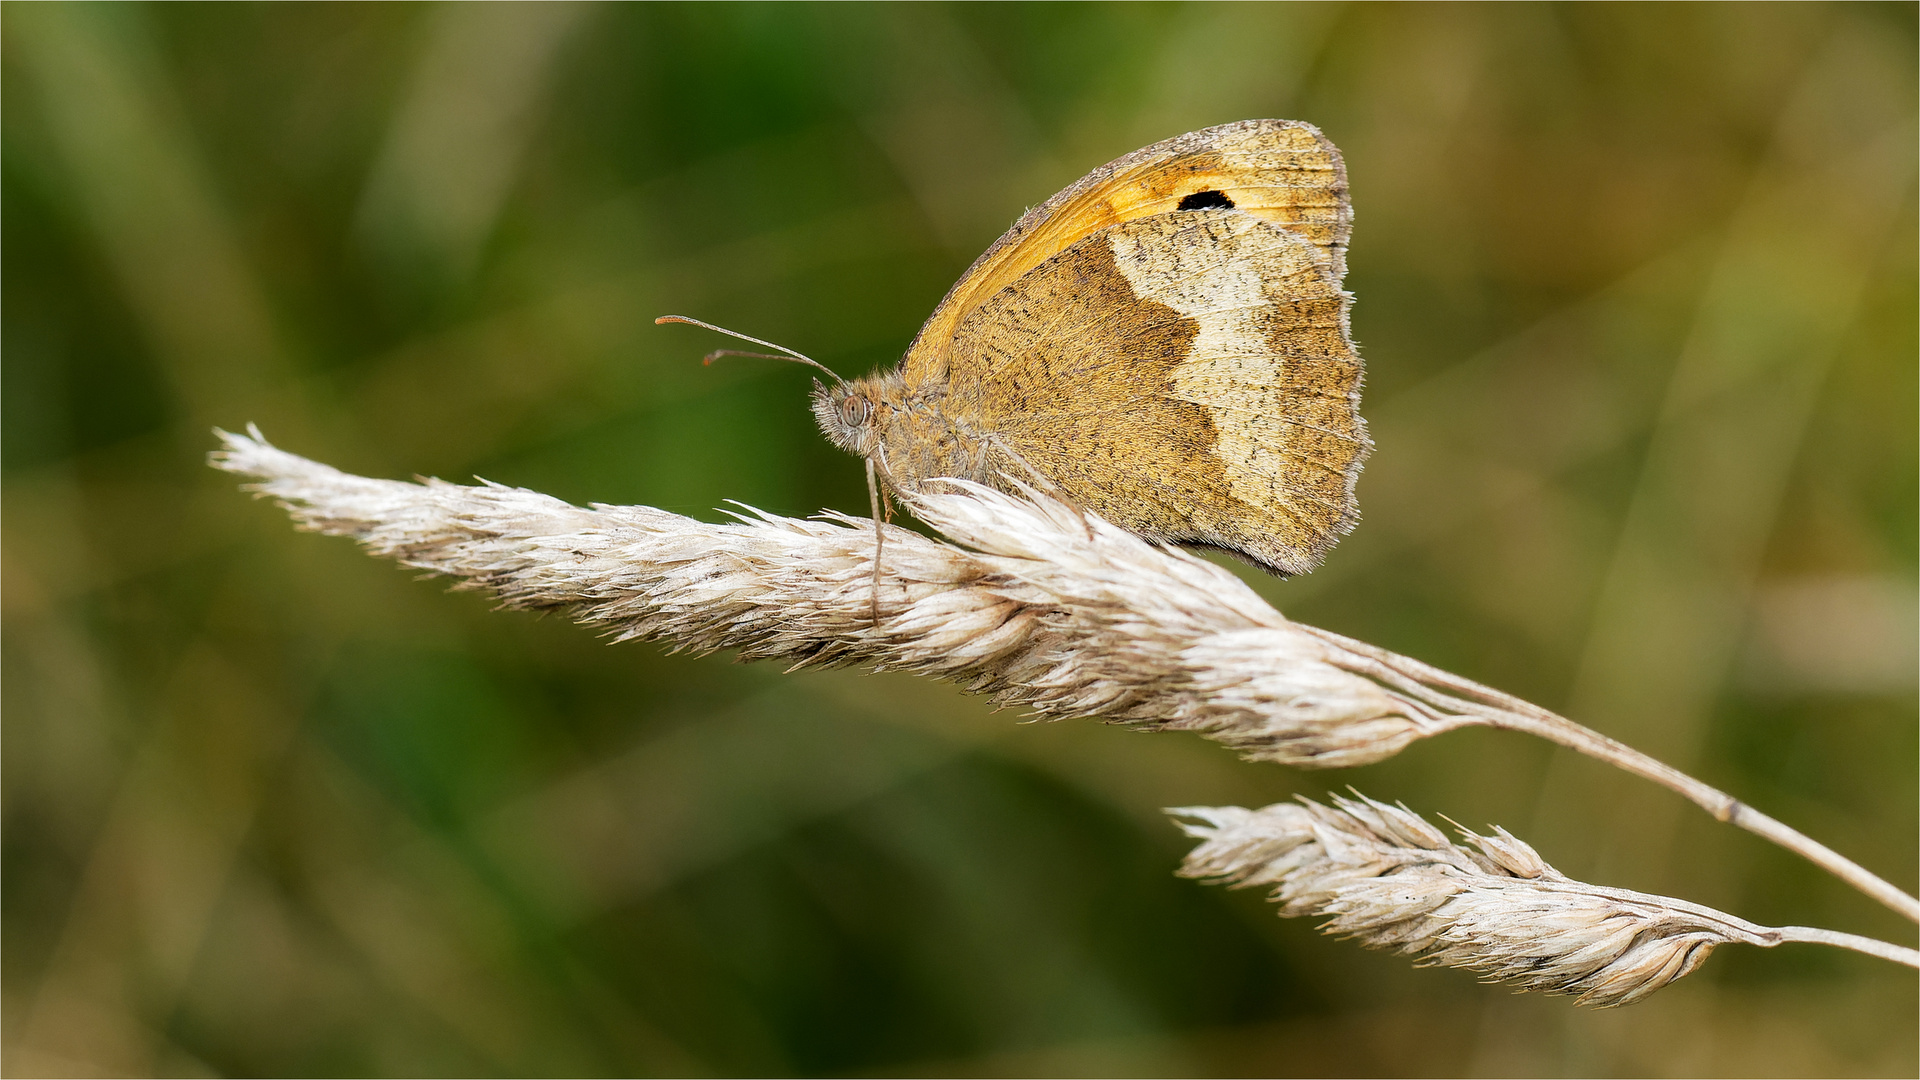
{"x":852,"y":413}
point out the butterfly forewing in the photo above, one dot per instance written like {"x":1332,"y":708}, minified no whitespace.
{"x":1281,"y":171}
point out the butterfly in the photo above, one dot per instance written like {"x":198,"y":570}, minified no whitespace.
{"x":1165,"y":343}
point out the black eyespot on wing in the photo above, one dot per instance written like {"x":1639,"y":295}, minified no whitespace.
{"x":1206,"y":200}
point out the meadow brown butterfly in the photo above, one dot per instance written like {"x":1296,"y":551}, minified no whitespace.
{"x":1165,"y":343}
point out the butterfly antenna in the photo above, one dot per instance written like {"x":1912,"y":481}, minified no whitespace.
{"x":781,"y":351}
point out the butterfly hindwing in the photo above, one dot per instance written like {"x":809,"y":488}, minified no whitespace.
{"x":1187,"y":375}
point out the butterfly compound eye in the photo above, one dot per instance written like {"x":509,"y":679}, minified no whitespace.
{"x":854,"y":410}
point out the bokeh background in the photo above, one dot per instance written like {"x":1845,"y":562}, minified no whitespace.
{"x":1637,"y":296}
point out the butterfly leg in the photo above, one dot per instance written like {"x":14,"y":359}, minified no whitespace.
{"x":879,"y":540}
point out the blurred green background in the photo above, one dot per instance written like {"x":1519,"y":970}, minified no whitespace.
{"x":1637,"y":296}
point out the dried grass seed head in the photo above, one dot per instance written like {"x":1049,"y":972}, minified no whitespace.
{"x":1384,"y":877}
